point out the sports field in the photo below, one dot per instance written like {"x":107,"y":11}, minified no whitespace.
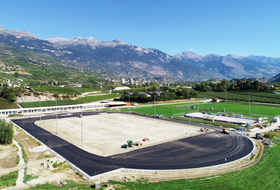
{"x":104,"y":134}
{"x":256,"y":110}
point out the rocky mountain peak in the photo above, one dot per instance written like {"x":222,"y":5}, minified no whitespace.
{"x":84,"y":41}
{"x":17,"y":33}
{"x":2,"y":28}
{"x":188,"y":55}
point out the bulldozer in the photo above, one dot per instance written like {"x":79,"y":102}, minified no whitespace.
{"x":129,"y":143}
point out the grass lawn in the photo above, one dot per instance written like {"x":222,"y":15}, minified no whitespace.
{"x":9,"y":179}
{"x":243,"y":108}
{"x":256,"y":110}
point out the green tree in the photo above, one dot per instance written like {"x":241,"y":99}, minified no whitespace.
{"x":6,"y":132}
{"x":9,"y":94}
{"x":86,"y":85}
{"x":16,"y":75}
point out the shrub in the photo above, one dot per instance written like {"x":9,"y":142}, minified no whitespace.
{"x":272,"y":135}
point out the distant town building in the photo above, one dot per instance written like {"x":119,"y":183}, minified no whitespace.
{"x":123,"y":81}
{"x":262,"y":79}
{"x":76,"y":85}
{"x":122,"y":88}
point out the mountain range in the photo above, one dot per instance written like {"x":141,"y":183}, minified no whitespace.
{"x":127,"y":60}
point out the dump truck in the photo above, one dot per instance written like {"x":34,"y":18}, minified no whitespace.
{"x":259,"y":136}
{"x":129,"y":143}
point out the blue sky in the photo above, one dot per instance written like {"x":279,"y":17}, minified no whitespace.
{"x":201,"y":26}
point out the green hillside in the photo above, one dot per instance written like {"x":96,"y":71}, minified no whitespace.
{"x":34,"y":67}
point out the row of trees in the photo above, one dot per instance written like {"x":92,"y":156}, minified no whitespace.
{"x":226,"y":85}
{"x":6,"y":132}
{"x":164,"y":95}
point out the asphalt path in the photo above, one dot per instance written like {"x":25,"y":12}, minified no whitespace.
{"x":203,"y":150}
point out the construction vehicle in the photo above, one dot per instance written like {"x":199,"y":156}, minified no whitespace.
{"x":137,"y":143}
{"x":129,"y":143}
{"x":204,"y":129}
{"x":225,"y":131}
{"x":157,"y":116}
{"x":259,"y":136}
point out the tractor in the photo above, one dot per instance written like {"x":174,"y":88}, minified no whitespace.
{"x":129,"y":143}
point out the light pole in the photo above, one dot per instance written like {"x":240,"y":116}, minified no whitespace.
{"x":129,"y":102}
{"x":40,"y":111}
{"x":82,"y":126}
{"x":56,"y":117}
{"x":189,"y":107}
{"x":249,"y":102}
{"x":154,"y":106}
{"x":225,"y":96}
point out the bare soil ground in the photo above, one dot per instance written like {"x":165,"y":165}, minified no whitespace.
{"x":104,"y":134}
{"x":8,"y":156}
{"x":36,"y":159}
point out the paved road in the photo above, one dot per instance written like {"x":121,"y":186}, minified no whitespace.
{"x":199,"y":151}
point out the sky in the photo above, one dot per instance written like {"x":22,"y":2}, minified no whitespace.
{"x":243,"y":28}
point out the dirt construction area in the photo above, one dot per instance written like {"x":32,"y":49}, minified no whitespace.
{"x":103,"y":134}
